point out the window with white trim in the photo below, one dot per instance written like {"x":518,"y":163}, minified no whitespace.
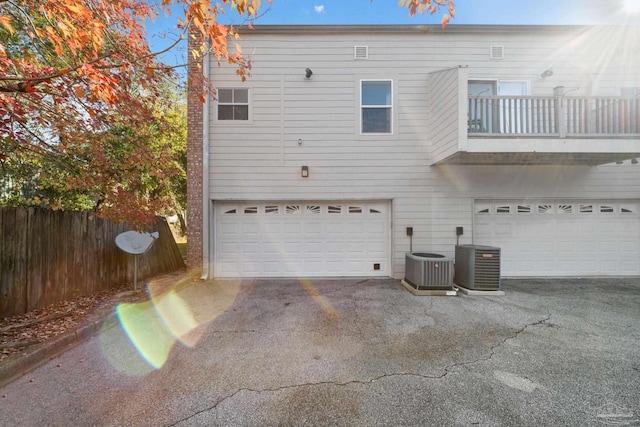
{"x":376,"y":106}
{"x":233,"y":104}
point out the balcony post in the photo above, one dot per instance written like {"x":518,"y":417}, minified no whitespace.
{"x":560,"y":111}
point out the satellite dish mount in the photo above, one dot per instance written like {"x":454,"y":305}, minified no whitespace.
{"x":136,"y":244}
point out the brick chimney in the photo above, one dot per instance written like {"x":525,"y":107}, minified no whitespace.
{"x":194,"y":155}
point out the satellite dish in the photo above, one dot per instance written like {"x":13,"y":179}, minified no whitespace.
{"x":135,"y":242}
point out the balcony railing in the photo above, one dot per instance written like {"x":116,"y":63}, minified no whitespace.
{"x":559,"y":117}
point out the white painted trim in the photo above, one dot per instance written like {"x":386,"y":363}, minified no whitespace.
{"x":249,"y":120}
{"x":393,"y":108}
{"x":513,"y":144}
{"x":463,"y":102}
{"x":206,"y":202}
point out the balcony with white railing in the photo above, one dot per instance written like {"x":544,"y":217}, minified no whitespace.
{"x":528,"y":130}
{"x":580,"y":130}
{"x":554,"y":117}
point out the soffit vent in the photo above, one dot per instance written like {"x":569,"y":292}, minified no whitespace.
{"x":496,"y":52}
{"x":361,"y":52}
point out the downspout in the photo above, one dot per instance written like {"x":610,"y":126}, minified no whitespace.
{"x":206,"y":202}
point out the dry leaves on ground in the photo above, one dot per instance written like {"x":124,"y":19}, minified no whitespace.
{"x":21,"y":331}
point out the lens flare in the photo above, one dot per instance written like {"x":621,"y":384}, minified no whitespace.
{"x":146,"y":332}
{"x":322,"y":301}
{"x":175,"y":312}
{"x":631,"y":6}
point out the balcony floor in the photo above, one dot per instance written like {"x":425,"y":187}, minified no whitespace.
{"x":569,"y":159}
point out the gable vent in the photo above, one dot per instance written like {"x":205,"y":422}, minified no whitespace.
{"x":361,"y":52}
{"x":496,"y":52}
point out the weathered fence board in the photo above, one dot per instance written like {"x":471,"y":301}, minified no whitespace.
{"x":49,"y":256}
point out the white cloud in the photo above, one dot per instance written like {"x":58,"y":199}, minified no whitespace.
{"x":319,"y":8}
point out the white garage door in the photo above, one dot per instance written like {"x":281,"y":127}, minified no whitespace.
{"x":562,"y":238}
{"x":302,"y":239}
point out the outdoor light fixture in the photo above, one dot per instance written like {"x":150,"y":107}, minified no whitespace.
{"x":547,"y":73}
{"x":304,"y":172}
{"x":308,"y":73}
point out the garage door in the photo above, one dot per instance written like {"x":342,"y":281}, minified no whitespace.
{"x":302,"y":239}
{"x":562,"y":238}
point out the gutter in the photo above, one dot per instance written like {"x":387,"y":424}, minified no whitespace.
{"x":415,"y":29}
{"x":206,"y":203}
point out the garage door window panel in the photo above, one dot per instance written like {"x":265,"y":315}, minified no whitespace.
{"x":333,"y":209}
{"x":272,"y":210}
{"x":545,"y":209}
{"x":627,"y":209}
{"x":483,"y":209}
{"x":585,"y":209}
{"x":293,"y":210}
{"x":524,"y":209}
{"x":313,"y":209}
{"x":565,"y":209}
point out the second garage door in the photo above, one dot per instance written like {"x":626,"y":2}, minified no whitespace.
{"x":562,"y":237}
{"x":302,"y":239}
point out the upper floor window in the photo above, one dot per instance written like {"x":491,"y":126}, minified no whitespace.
{"x":233,"y":104}
{"x":377,"y":106}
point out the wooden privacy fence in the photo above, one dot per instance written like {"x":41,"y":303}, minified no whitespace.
{"x":50,"y":256}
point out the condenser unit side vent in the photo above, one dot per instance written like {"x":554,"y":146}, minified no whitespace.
{"x":477,"y":267}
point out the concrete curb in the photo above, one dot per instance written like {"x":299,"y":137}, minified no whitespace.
{"x":18,"y":365}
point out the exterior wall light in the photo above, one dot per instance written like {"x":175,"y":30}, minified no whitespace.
{"x":308,"y":73}
{"x":304,"y":172}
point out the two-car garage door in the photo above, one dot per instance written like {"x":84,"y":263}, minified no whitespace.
{"x":562,"y":237}
{"x":302,"y":239}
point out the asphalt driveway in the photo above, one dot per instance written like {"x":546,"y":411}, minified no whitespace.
{"x":349,"y":352}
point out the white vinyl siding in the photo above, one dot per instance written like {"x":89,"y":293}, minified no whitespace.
{"x":262,"y":161}
{"x":376,"y":106}
{"x":444,"y":94}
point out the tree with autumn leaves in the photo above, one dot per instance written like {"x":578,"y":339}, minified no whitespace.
{"x":86,"y":116}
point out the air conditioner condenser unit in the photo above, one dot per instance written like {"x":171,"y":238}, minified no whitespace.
{"x":477,"y":267}
{"x":428,"y":271}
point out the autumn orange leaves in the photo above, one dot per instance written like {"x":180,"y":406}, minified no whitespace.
{"x":431,"y":6}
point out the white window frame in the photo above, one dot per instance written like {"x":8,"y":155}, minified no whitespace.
{"x":248,"y":104}
{"x":388,"y":106}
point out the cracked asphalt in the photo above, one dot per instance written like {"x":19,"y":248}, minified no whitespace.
{"x":350,"y":352}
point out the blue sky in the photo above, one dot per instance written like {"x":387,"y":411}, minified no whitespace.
{"x":515,"y":12}
{"x":467,"y":12}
